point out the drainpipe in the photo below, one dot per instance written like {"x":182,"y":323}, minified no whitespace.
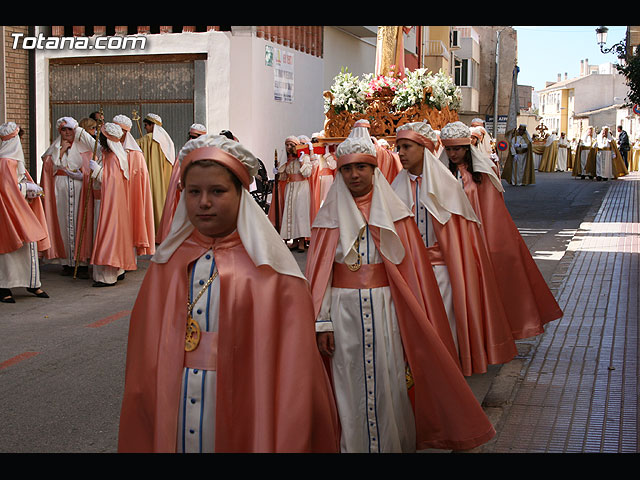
{"x":495,"y":99}
{"x":33,"y":148}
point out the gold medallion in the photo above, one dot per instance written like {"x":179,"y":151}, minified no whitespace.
{"x":409,"y":377}
{"x":354,"y":267}
{"x":192,"y":337}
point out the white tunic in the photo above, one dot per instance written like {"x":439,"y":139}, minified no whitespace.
{"x":563,"y":150}
{"x":604,"y":158}
{"x":584,"y":153}
{"x":68,"y":192}
{"x":296,"y":219}
{"x":20,"y":268}
{"x":519,"y":159}
{"x":197,"y":419}
{"x":425,"y":226}
{"x":368,"y":365}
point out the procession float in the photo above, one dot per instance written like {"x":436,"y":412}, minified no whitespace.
{"x":391,"y":96}
{"x":389,"y":100}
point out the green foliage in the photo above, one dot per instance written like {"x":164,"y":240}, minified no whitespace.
{"x":631,"y":70}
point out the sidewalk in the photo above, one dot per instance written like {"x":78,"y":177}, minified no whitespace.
{"x":578,"y":390}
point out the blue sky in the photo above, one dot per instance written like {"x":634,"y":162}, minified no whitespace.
{"x":546,"y":51}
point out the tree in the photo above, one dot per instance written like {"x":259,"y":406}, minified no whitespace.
{"x":631,"y":70}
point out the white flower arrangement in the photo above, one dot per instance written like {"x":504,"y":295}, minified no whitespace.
{"x":348,"y":94}
{"x":444,"y":93}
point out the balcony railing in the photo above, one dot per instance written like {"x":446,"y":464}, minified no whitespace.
{"x":436,"y":48}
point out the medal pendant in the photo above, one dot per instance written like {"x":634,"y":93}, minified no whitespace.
{"x":354,"y":267}
{"x":409,"y":377}
{"x":192,"y":337}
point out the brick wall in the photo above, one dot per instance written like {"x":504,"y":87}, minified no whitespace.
{"x":17,"y":85}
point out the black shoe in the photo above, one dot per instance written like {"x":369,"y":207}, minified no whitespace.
{"x":121,"y":276}
{"x":42,"y":293}
{"x":5,"y":296}
{"x":102,"y":284}
{"x":67,"y":271}
{"x":83,"y":272}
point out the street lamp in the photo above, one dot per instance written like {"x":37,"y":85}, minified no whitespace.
{"x":619,"y":48}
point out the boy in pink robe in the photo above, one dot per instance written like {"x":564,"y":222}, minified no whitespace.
{"x":451,"y":232}
{"x":140,"y":199}
{"x":226,"y":364}
{"x":113,"y":246}
{"x":380,"y":320}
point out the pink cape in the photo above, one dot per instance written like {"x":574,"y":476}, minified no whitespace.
{"x":273,"y":394}
{"x":527,"y":300}
{"x":277,"y":204}
{"x":447,"y":414}
{"x":483,"y":331}
{"x":388,"y":163}
{"x":113,"y":244}
{"x":141,"y":205}
{"x":170,"y":205}
{"x":23,"y":220}
{"x":317,"y":184}
{"x":47,"y":182}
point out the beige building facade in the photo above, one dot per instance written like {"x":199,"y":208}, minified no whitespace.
{"x":483,"y":54}
{"x":571,"y":105}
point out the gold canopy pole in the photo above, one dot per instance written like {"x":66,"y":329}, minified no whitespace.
{"x":136,"y":118}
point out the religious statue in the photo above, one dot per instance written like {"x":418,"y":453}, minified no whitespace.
{"x":390,"y":49}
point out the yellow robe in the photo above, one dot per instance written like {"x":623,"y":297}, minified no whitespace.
{"x":549,"y":158}
{"x":159,"y":174}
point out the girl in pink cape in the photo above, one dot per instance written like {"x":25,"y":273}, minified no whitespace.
{"x":527,"y":300}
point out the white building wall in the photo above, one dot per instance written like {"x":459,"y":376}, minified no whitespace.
{"x":239,"y":92}
{"x":597,"y":91}
{"x":342,"y":49}
{"x":255,"y":117}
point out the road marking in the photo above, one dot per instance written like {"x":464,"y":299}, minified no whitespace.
{"x":109,"y":319}
{"x":17,"y":358}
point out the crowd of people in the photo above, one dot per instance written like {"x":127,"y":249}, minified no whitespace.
{"x":597,"y":155}
{"x":415,"y":278}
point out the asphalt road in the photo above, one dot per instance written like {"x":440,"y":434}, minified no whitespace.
{"x":62,"y":359}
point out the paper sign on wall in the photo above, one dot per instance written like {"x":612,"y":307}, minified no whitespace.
{"x":282,"y":76}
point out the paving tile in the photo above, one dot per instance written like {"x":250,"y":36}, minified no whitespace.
{"x":579,"y":389}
